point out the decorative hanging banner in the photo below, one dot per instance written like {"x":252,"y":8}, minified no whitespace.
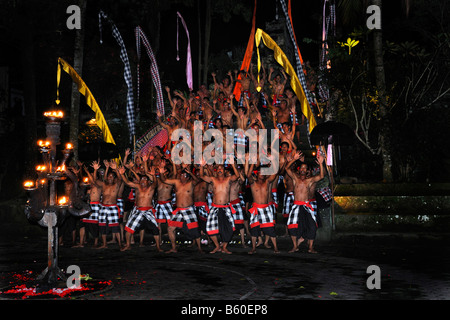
{"x":330,"y":155}
{"x":324,"y":62}
{"x":190,"y":82}
{"x":296,"y":86}
{"x":247,"y":57}
{"x":90,"y":100}
{"x":295,"y":39}
{"x":140,"y":35}
{"x":127,"y":71}
{"x":299,"y":61}
{"x":156,"y":136}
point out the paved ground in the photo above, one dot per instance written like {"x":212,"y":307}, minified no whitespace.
{"x":412,"y":267}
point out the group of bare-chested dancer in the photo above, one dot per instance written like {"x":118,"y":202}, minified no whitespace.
{"x":210,"y":200}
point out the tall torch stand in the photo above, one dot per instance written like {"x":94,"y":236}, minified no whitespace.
{"x":54,"y":210}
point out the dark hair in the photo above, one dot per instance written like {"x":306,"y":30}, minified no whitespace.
{"x":243,"y":108}
{"x":308,"y":166}
{"x":284,"y":142}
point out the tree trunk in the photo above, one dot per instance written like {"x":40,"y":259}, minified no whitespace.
{"x":207,"y":38}
{"x":78,"y":66}
{"x":385,"y":129}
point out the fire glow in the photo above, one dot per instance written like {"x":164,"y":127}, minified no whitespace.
{"x":62,"y":201}
{"x":28,"y":184}
{"x":42,"y":143}
{"x":54,"y":114}
{"x":41,"y":168}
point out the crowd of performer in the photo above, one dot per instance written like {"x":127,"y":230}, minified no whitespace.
{"x":147,"y":192}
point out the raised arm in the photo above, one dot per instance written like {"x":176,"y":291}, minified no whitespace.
{"x":96,"y":166}
{"x":163,"y":179}
{"x":121,"y":171}
{"x":161,"y":122}
{"x":287,"y":167}
{"x":172,"y":104}
{"x":320,"y":160}
{"x":237,"y":174}
{"x":202,"y":175}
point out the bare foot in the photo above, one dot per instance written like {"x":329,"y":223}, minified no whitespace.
{"x":216,"y":249}
{"x":104,"y":246}
{"x":225,"y":250}
{"x":312,"y":251}
{"x":293,"y":250}
{"x":125,"y":248}
{"x":252,"y":251}
{"x":172,"y":251}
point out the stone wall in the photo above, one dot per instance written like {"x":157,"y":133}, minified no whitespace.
{"x":392,"y":208}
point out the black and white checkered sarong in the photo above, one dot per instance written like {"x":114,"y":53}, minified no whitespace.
{"x":163,"y":211}
{"x":137,"y":217}
{"x":287,"y":203}
{"x":109,"y":217}
{"x":239,"y":214}
{"x":262,"y":216}
{"x":95,"y":209}
{"x":183,"y":215}
{"x":220,"y":221}
{"x":295,"y":215}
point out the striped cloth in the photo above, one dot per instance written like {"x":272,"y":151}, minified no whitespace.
{"x":140,"y":36}
{"x":127,"y":71}
{"x":188,"y":58}
{"x":324,"y":92}
{"x":156,"y":136}
{"x":299,"y":68}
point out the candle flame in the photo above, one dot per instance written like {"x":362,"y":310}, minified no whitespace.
{"x":61,"y":168}
{"x":86,"y":180}
{"x":69,"y":146}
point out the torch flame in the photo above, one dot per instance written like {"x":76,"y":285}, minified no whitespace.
{"x":28,"y":184}
{"x":41,"y":168}
{"x":42,"y":143}
{"x":54,"y":114}
{"x":62,"y":201}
